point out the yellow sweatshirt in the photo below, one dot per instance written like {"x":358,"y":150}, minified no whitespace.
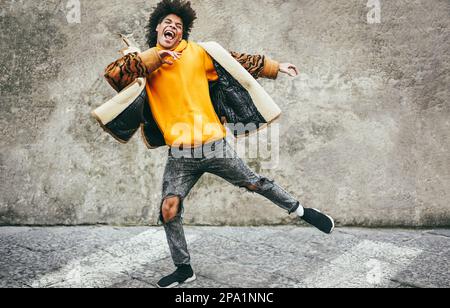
{"x":180,"y":101}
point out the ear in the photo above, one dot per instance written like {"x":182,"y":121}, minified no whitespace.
{"x":158,"y":27}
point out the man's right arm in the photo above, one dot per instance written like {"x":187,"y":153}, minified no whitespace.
{"x":127,"y":69}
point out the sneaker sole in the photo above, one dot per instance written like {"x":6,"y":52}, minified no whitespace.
{"x":330,"y":218}
{"x":176,"y":284}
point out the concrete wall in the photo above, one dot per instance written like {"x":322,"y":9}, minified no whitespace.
{"x":365,"y":133}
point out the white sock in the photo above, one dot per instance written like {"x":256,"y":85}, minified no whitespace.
{"x":300,"y":211}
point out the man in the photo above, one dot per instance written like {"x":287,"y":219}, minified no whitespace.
{"x":185,"y":83}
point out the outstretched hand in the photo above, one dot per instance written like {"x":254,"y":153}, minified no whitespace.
{"x":290,"y":69}
{"x":167,"y":54}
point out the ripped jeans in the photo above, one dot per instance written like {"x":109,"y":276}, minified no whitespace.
{"x":181,"y":174}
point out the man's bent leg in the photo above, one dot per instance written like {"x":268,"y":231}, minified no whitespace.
{"x":275,"y":193}
{"x":236,"y":171}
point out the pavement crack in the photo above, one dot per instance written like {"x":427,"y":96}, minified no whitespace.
{"x":34,"y":249}
{"x":259,"y":243}
{"x":107,"y":252}
{"x":141,"y":280}
{"x":406,"y":284}
{"x":26,"y":285}
{"x":214,"y":280}
{"x":340,"y":231}
{"x":438,"y":234}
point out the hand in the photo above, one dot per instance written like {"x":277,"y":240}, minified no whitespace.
{"x":129,"y":50}
{"x":168,"y":53}
{"x":289,"y":69}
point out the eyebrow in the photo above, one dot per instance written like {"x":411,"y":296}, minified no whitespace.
{"x":178,"y":23}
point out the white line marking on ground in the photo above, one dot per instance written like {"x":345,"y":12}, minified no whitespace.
{"x":106,"y":266}
{"x":367,"y":265}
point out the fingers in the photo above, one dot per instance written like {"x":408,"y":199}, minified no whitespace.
{"x":176,"y":55}
{"x":289,"y":69}
{"x":167,"y":54}
{"x":292,"y":70}
{"x":173,"y":54}
{"x":296,"y":71}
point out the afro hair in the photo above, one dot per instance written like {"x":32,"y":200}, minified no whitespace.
{"x":164,"y":8}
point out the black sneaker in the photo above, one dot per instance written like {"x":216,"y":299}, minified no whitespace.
{"x":321,"y":221}
{"x":183,"y":274}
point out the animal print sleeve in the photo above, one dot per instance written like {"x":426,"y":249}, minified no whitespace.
{"x":124,"y":71}
{"x":257,"y":65}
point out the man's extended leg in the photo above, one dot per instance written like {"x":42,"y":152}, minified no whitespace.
{"x":234,"y":170}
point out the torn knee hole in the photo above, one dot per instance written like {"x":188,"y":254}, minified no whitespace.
{"x":171,"y":200}
{"x":252,"y":187}
{"x":170,"y":208}
{"x":261,"y":185}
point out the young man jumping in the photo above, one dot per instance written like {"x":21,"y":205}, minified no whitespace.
{"x":186,"y":82}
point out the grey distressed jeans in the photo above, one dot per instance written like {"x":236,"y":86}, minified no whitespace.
{"x":181,"y":174}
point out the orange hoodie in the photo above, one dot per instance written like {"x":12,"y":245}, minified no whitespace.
{"x":180,"y":101}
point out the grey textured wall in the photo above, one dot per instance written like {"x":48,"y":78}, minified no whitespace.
{"x":365,"y":133}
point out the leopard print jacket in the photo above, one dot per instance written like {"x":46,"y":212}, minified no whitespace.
{"x":125,"y":70}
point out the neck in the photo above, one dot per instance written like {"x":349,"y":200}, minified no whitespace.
{"x":179,"y":47}
{"x":170,"y":48}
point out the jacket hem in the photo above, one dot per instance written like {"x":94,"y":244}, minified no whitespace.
{"x":107,"y":130}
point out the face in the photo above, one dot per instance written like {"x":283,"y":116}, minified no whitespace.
{"x":170,"y":31}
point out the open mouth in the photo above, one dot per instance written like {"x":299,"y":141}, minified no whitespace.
{"x":169,"y":34}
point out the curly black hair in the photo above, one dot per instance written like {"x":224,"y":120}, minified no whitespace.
{"x":164,"y":8}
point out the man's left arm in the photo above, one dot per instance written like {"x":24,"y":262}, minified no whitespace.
{"x":262,"y":67}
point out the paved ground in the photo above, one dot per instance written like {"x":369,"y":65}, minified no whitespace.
{"x":225,"y":257}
